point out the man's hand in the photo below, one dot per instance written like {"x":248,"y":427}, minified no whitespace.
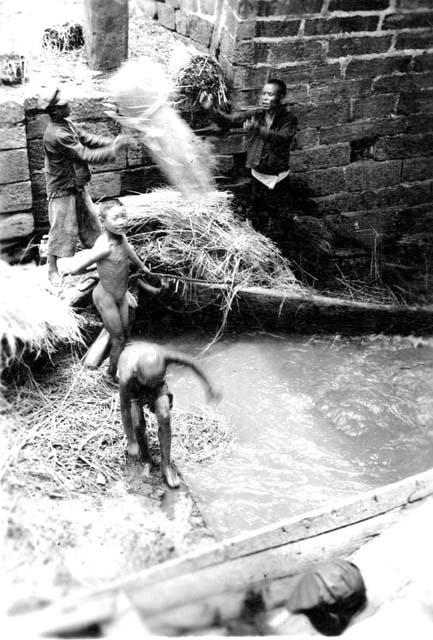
{"x":250,"y":124}
{"x":121,"y":142}
{"x":206,"y":101}
{"x":214,"y":393}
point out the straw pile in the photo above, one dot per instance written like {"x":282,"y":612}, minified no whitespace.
{"x":196,"y":73}
{"x":203,"y":240}
{"x":66,"y":433}
{"x":141,"y":92}
{"x":32,"y":319}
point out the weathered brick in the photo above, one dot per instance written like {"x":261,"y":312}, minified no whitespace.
{"x":36,"y":155}
{"x":36,"y":125}
{"x":362,"y":129}
{"x":339,"y":90}
{"x":276,"y":28}
{"x":418,"y":169}
{"x":403,"y":146}
{"x":106,"y":184}
{"x":15,"y":197}
{"x":288,"y":7}
{"x":320,"y":157}
{"x":296,"y":94}
{"x":403,"y":82}
{"x":368,"y":200}
{"x":189,"y":5}
{"x":14,"y":166}
{"x":246,"y":29}
{"x":141,"y":180}
{"x":325,"y":181}
{"x":13,"y":137}
{"x":246,"y":99}
{"x":149,"y":8}
{"x":200,"y":30}
{"x":207,"y":7}
{"x":107,"y":128}
{"x":301,"y":50}
{"x":183,"y":21}
{"x":359,"y":45}
{"x":418,"y":40}
{"x":305,"y":72}
{"x":378,"y":106}
{"x":307,"y":138}
{"x":414,"y":4}
{"x":166,"y":15}
{"x":248,"y":78}
{"x":419,"y":123}
{"x":137,"y":155}
{"x":40,"y":214}
{"x":324,"y":26}
{"x":225,"y":163}
{"x":423,"y":62}
{"x":358,"y":5}
{"x":368,"y":174}
{"x":39,"y":185}
{"x":227,"y":46}
{"x":323,"y":115}
{"x":416,"y":102}
{"x":378,"y":66}
{"x":246,"y":52}
{"x":421,"y":19}
{"x":16,"y":225}
{"x":11,"y":113}
{"x":84,"y":109}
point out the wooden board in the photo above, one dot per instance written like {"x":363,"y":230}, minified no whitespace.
{"x":195,"y":590}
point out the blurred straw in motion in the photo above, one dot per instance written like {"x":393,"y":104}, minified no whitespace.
{"x":141,"y":91}
{"x":32,"y":318}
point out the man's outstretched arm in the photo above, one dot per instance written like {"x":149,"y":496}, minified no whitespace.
{"x":174,"y":357}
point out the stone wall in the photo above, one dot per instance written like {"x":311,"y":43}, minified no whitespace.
{"x":16,"y":219}
{"x":360,"y":79}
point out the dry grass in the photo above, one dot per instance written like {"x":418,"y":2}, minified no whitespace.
{"x":65,"y":432}
{"x":32,"y":318}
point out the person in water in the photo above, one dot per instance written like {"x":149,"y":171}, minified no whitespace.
{"x":113,"y":254}
{"x":142,"y":370}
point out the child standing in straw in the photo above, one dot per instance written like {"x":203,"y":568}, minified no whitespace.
{"x":112,"y":254}
{"x":142,"y":369}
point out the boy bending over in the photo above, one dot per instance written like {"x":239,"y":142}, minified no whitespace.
{"x":112,"y":254}
{"x":142,"y":369}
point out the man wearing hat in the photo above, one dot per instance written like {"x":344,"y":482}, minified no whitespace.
{"x":68,"y":152}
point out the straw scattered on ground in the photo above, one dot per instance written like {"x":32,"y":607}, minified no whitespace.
{"x":65,"y":432}
{"x":32,"y":318}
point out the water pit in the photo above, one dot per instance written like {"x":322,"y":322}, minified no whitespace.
{"x":314,"y":420}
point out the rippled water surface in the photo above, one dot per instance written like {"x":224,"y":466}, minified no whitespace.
{"x":314,"y":420}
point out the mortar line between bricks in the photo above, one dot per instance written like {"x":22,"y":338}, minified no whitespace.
{"x":336,"y":36}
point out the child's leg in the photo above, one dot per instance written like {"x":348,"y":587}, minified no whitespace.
{"x":124,"y":315}
{"x":162,"y":412}
{"x":139,"y":424}
{"x":112,"y":320}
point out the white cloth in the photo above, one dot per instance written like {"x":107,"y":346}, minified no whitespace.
{"x":269,"y":180}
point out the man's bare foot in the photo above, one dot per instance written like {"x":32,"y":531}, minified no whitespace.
{"x":54,"y":278}
{"x":170,"y":475}
{"x":133,"y":449}
{"x":147,"y":468}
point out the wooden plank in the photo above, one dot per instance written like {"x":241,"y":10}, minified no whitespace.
{"x":199,"y":583}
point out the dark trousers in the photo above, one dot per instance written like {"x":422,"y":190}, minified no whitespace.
{"x":269,"y":210}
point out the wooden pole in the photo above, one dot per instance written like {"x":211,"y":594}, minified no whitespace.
{"x":106,"y":33}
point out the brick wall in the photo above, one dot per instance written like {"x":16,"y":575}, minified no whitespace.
{"x":16,"y":219}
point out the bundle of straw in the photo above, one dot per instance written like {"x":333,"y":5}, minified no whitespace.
{"x":197,"y":73}
{"x":203,"y":240}
{"x":141,"y":92}
{"x":31,"y":317}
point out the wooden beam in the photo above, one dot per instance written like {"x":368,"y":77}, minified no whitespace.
{"x":106,"y":33}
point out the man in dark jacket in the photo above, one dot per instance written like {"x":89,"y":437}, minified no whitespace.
{"x":71,"y":212}
{"x":272,"y":129}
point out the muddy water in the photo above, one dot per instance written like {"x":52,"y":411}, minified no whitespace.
{"x":314,"y":420}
